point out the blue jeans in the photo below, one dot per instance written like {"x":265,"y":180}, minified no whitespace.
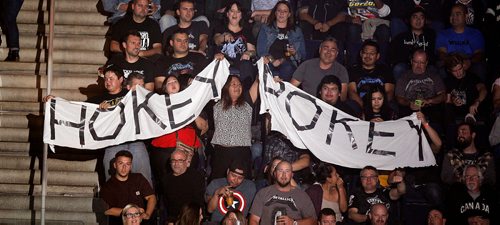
{"x":382,"y":36}
{"x":246,"y":71}
{"x":285,"y":70}
{"x":9,"y":11}
{"x":140,"y":163}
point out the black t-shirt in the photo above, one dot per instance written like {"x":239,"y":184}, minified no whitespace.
{"x":112,"y":99}
{"x":363,"y":201}
{"x":366,"y":79}
{"x":149,"y":30}
{"x":278,"y":48}
{"x":404,"y":44}
{"x":194,"y":32}
{"x":143,"y":66}
{"x":233,"y":51}
{"x":464,"y":88}
{"x":193,"y":63}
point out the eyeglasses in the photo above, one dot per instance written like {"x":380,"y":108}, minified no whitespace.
{"x":173,"y":161}
{"x":132,"y":215}
{"x":368,"y":177}
{"x":473,"y":177}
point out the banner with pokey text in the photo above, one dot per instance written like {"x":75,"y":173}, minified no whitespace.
{"x":139,"y":115}
{"x":336,"y":137}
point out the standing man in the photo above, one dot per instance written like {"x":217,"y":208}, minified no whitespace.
{"x":231,"y":193}
{"x":182,"y":186}
{"x":281,"y":203}
{"x":149,"y":30}
{"x":125,"y":188}
{"x":197,"y":30}
{"x":8,"y":12}
{"x":131,"y":61}
{"x":310,"y":72}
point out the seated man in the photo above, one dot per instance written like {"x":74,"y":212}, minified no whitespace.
{"x":465,"y":91}
{"x":463,"y":39}
{"x":310,"y":72}
{"x":181,"y":60}
{"x":369,"y":194}
{"x":131,"y":61}
{"x":471,"y":198}
{"x":125,"y":188}
{"x":120,"y":7}
{"x":367,"y":20}
{"x":466,"y":153}
{"x":419,"y":89}
{"x":197,"y":31}
{"x":329,"y":92}
{"x":378,"y":214}
{"x":182,"y":186}
{"x":400,"y":10}
{"x":370,"y":74}
{"x":281,"y":203}
{"x":405,"y":43}
{"x":436,"y":217}
{"x":231,"y":193}
{"x":327,"y":217}
{"x":149,"y":30}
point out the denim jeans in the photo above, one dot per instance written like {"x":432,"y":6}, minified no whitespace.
{"x":9,"y":11}
{"x":285,"y":70}
{"x":140,"y":163}
{"x":353,"y":46}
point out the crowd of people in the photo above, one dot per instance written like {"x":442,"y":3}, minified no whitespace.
{"x":377,"y":60}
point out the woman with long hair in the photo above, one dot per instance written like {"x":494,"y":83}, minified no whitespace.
{"x":232,"y":122}
{"x":191,"y":214}
{"x":329,"y":191}
{"x":234,"y":218}
{"x":376,"y":107}
{"x":234,"y":39}
{"x":281,"y":41}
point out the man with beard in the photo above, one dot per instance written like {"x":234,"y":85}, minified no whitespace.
{"x":466,"y":153}
{"x":282,"y":203}
{"x":472,"y":199}
{"x":378,"y":214}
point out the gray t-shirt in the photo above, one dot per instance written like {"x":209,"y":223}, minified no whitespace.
{"x":296,"y":204}
{"x":422,"y":86}
{"x":243,"y":196}
{"x":310,"y":74}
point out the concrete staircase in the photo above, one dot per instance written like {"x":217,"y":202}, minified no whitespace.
{"x":78,"y":52}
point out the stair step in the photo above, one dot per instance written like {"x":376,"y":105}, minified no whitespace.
{"x":60,"y":68}
{"x":35,"y":95}
{"x":64,"y":18}
{"x":96,"y":30}
{"x":21,"y":107}
{"x":52,"y":190}
{"x":19,"y":162}
{"x":14,"y":134}
{"x":53,"y":203}
{"x":52,"y":217}
{"x":10,"y":176}
{"x":40,"y":81}
{"x":13,"y":121}
{"x":61,"y":6}
{"x":14,"y":147}
{"x":61,"y":42}
{"x":60,"y":56}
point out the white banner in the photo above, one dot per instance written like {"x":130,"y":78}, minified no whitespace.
{"x":140,"y":115}
{"x":336,"y":137}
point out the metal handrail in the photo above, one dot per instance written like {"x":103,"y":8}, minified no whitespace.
{"x":49,"y":90}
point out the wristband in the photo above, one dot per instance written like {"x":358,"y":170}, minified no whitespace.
{"x":426,"y":125}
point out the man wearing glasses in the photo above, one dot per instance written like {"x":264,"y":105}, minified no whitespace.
{"x":125,"y":188}
{"x":370,"y":193}
{"x":183,"y":185}
{"x":472,"y":199}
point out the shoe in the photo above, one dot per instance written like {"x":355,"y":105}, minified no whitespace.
{"x":469,"y":118}
{"x":13,"y":56}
